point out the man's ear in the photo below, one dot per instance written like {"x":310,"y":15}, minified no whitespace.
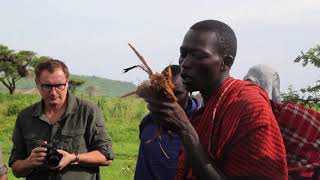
{"x":227,"y":62}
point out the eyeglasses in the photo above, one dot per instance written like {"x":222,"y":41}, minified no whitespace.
{"x":48,"y":87}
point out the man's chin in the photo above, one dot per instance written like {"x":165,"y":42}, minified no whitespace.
{"x":52,"y":102}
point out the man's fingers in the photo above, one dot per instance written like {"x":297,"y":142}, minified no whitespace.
{"x":39,"y":149}
{"x":159,"y":103}
{"x":55,"y":168}
{"x":161,"y":119}
{"x":155,"y":109}
{"x":41,"y":159}
{"x":60,"y":151}
{"x":42,"y":154}
{"x":38,"y":163}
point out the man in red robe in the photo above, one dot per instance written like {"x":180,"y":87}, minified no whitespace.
{"x":235,"y":135}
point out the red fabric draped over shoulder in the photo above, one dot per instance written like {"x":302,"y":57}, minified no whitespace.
{"x":240,"y":133}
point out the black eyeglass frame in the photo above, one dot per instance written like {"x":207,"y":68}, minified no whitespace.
{"x":48,"y":87}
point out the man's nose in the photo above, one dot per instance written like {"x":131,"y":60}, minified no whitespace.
{"x":53,"y":90}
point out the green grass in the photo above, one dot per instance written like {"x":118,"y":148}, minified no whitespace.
{"x":122,"y":120}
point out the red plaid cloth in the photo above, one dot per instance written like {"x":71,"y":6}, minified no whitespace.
{"x":243,"y":138}
{"x":300,"y":127}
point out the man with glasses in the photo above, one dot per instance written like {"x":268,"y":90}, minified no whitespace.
{"x":60,"y":125}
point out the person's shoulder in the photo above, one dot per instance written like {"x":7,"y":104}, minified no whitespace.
{"x":145,"y":123}
{"x":249,"y":98}
{"x":251,"y":92}
{"x":30,"y":110}
{"x":84,"y":103}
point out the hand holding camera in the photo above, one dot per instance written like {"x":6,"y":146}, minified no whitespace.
{"x":55,"y":158}
{"x":37,"y":157}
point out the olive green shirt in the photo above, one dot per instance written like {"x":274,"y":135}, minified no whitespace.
{"x":3,"y":168}
{"x":81,"y":129}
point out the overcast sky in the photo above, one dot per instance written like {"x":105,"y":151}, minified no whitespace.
{"x":91,"y":36}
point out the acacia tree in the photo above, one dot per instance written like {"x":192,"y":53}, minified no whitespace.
{"x":15,"y":65}
{"x":312,"y":56}
{"x":74,"y":84}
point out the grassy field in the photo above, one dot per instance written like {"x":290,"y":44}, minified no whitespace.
{"x":122,"y":120}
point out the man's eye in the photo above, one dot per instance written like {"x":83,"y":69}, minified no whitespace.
{"x":59,"y":86}
{"x":47,"y":86}
{"x":198,"y":55}
{"x":183,"y":54}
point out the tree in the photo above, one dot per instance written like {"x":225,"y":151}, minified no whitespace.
{"x":311,"y":94}
{"x":74,"y":84}
{"x":15,"y":65}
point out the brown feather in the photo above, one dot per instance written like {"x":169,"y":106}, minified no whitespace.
{"x":141,"y":59}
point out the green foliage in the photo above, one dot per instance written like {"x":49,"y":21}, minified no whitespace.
{"x":311,"y":56}
{"x":74,"y":84}
{"x":311,"y":94}
{"x":12,"y":106}
{"x":291,"y":95}
{"x":122,"y":121}
{"x":15,"y":65}
{"x":301,"y":97}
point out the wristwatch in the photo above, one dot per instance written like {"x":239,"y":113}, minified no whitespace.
{"x":76,"y":161}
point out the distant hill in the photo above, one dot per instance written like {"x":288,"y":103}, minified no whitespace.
{"x":102,"y":86}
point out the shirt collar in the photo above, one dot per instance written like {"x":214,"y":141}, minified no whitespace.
{"x":72,"y":106}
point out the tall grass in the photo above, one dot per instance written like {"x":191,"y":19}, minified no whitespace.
{"x":122,"y":118}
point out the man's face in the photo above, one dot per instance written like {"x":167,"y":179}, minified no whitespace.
{"x":199,"y":60}
{"x":56,"y":95}
{"x":180,"y":92}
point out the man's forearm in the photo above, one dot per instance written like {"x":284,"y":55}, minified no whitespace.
{"x":197,"y":158}
{"x":21,"y":168}
{"x":93,"y":158}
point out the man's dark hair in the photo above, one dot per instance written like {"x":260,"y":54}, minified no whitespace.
{"x":51,"y":65}
{"x":175,"y":70}
{"x":227,"y":38}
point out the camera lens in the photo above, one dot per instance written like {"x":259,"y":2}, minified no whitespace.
{"x":53,"y":157}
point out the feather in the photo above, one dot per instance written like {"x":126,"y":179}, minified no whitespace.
{"x":142,"y":60}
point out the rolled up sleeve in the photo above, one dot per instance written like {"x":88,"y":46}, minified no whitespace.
{"x":99,"y":139}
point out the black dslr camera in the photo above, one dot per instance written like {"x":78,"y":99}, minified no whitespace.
{"x":53,"y":156}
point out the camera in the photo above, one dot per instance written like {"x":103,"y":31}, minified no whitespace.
{"x":53,"y":156}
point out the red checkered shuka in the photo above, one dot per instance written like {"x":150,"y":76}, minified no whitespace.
{"x":239,"y":131}
{"x":300,"y":127}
